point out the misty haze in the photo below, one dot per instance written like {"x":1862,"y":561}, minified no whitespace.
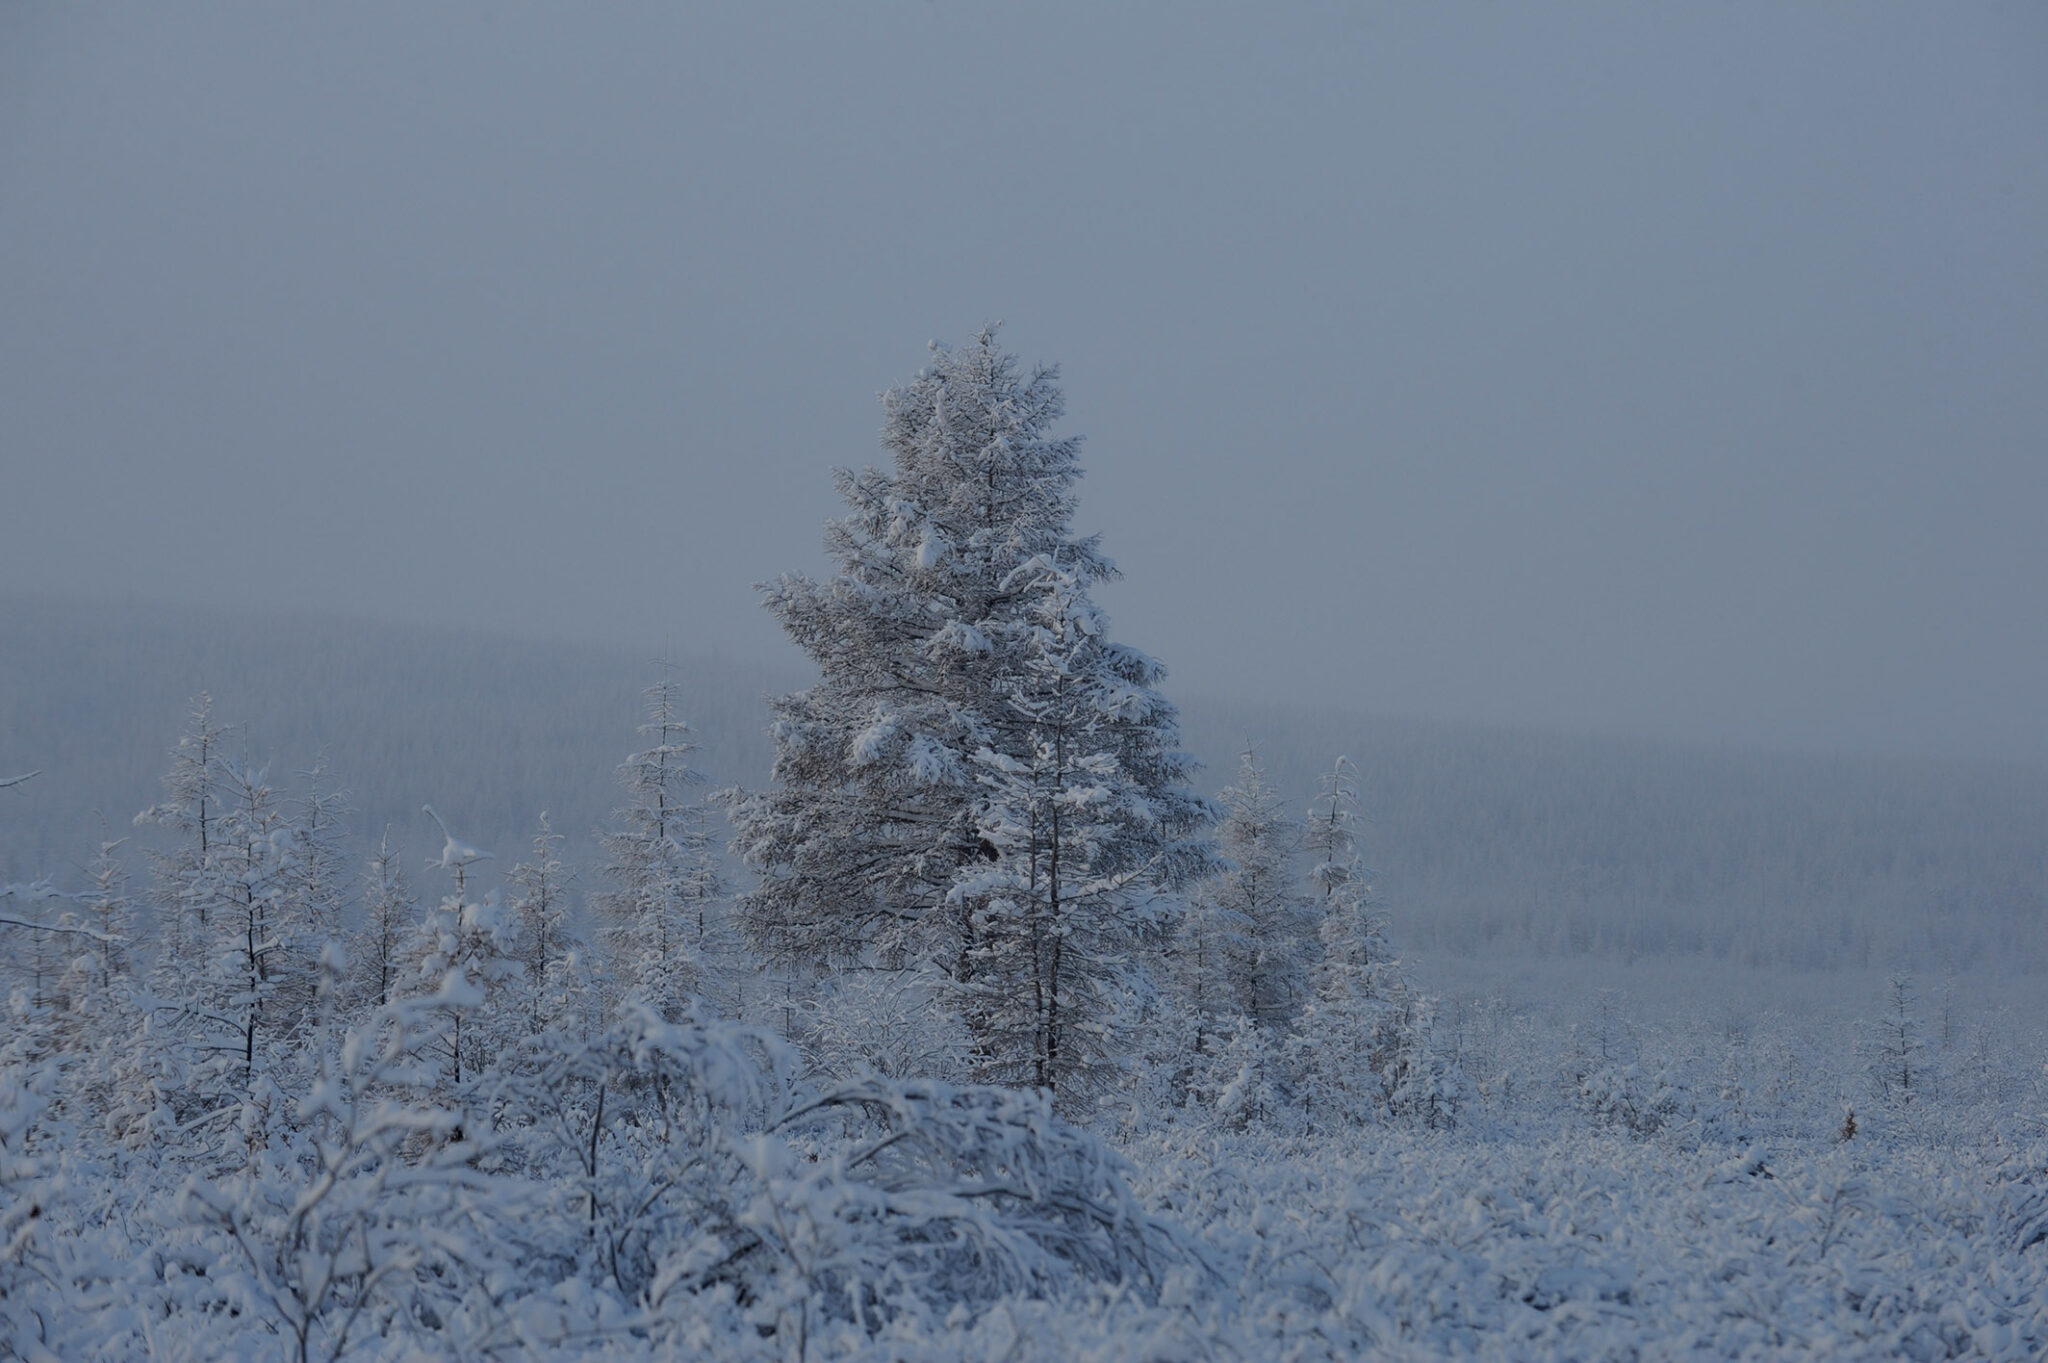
{"x":912,"y":681}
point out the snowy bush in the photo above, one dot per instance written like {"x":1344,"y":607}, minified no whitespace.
{"x":1627,"y":1097}
{"x":887,"y":1023}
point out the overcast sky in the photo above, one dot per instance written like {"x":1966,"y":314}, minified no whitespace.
{"x":1674,"y":370}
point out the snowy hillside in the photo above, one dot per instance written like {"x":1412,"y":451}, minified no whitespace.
{"x":1487,"y":840}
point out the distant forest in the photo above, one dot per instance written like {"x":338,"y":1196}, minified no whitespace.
{"x":1482,"y":840}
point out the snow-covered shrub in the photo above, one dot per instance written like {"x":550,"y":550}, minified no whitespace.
{"x":932,"y":1197}
{"x":2025,"y":1198}
{"x":347,"y":1212}
{"x":632,"y":1140}
{"x":1561,"y":1245}
{"x":889,"y":1023}
{"x":25,"y":1087}
{"x":676,"y":1165}
{"x":470,"y":941}
{"x":1626,"y":1096}
{"x":1244,"y":1083}
{"x":1368,"y":1052}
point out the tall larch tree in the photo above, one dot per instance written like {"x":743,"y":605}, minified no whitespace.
{"x":1067,"y":902}
{"x":874,"y":844}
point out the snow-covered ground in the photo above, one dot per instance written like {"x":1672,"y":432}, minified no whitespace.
{"x":1576,"y":1245}
{"x":1690,"y":1193}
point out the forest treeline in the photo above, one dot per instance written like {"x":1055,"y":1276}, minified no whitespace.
{"x":1488,"y":840}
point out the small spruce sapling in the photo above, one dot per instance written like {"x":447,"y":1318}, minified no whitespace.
{"x":317,"y":889}
{"x":543,"y":943}
{"x":461,"y":957}
{"x":1259,"y":893}
{"x":663,"y":882}
{"x":108,"y":911}
{"x":390,"y":914}
{"x":1893,"y":1044}
{"x":186,"y":880}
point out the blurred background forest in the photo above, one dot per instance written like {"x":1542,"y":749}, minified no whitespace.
{"x":1485,"y":841}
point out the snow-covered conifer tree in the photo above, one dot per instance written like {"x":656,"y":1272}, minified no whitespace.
{"x":92,"y":939}
{"x":34,"y":911}
{"x":390,"y":915}
{"x":1258,"y":895}
{"x":186,"y":885}
{"x":316,"y":891}
{"x":250,"y":988}
{"x":107,"y":912}
{"x":241,"y":987}
{"x":1894,"y":1043}
{"x":872,"y":842}
{"x":1365,"y":1045}
{"x":664,"y":883}
{"x":462,"y":954}
{"x":1066,"y":897}
{"x":873,"y":812}
{"x":542,"y":942}
{"x":1209,"y":944}
{"x":1352,"y":931}
{"x":112,"y":1080}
